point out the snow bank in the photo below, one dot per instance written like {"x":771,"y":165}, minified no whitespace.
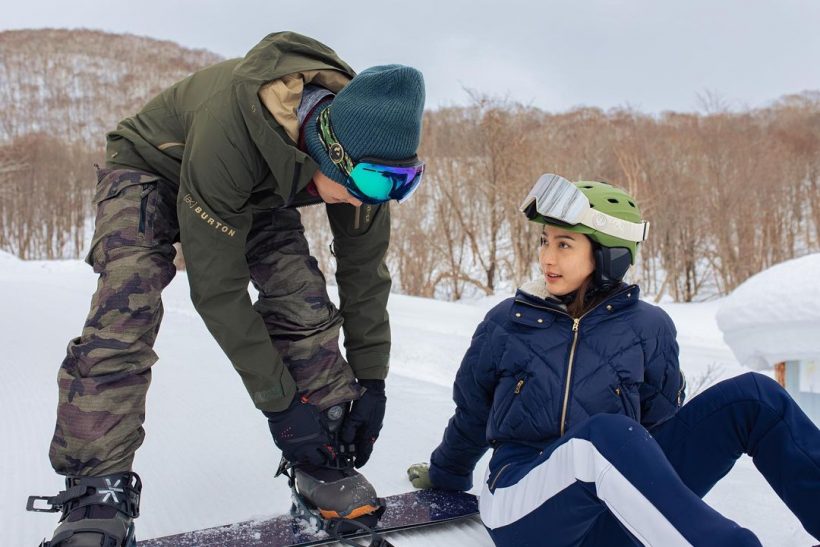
{"x":7,"y":258}
{"x":774,"y":316}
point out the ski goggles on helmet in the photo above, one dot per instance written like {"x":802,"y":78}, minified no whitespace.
{"x":371,"y":180}
{"x":557,"y":199}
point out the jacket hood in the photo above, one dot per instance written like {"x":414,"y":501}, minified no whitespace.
{"x":278,"y":55}
{"x":284,"y":53}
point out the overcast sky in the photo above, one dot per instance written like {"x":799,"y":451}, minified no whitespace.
{"x":653,"y":55}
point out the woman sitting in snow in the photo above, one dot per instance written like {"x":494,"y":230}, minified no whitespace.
{"x":576,"y":386}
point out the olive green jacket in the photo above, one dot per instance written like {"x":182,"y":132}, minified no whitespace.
{"x":211,"y":135}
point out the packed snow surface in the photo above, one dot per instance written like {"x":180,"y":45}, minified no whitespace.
{"x":774,"y":316}
{"x":208,"y":458}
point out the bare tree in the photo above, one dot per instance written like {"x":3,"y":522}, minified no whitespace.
{"x":728,"y":191}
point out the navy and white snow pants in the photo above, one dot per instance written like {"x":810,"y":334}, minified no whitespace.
{"x":610,"y":482}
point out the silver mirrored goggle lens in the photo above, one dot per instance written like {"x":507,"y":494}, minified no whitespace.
{"x":555,"y":197}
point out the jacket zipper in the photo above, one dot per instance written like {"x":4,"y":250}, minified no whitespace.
{"x":575,"y":323}
{"x":625,"y":402}
{"x":357,"y":222}
{"x":146,"y":191}
{"x":495,"y":480}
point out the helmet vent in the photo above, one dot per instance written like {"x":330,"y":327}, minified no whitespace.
{"x":612,"y":200}
{"x":631,"y":204}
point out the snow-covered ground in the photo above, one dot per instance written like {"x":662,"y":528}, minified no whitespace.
{"x":208,"y":458}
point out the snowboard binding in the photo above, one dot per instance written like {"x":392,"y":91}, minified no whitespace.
{"x":336,"y":500}
{"x":96,"y":511}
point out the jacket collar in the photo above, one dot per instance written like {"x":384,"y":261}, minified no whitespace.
{"x":535,"y":293}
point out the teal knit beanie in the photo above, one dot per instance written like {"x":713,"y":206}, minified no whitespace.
{"x":377,"y":115}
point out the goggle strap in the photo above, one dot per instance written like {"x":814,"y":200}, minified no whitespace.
{"x":615,"y":227}
{"x":328,"y":139}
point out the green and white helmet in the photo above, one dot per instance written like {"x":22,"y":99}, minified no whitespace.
{"x":606,"y":214}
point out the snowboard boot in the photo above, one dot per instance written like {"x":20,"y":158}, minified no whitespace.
{"x":97,"y":511}
{"x":339,"y":493}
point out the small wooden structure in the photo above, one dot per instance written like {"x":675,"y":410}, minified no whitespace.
{"x":802,"y":381}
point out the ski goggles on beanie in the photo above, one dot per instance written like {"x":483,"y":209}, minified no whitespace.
{"x":371,"y":180}
{"x":558,"y":200}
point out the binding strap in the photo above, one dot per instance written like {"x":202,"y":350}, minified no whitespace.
{"x":121,"y":491}
{"x":334,"y":529}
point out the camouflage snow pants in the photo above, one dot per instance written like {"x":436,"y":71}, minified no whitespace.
{"x":104,"y":378}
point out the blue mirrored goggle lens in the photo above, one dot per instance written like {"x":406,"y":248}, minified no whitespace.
{"x":377,"y":183}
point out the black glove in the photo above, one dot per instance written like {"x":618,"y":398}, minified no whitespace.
{"x":363,"y":423}
{"x":301,"y":433}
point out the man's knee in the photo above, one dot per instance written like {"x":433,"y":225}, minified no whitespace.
{"x":299,"y":316}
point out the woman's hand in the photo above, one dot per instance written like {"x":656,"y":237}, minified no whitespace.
{"x":419,"y":475}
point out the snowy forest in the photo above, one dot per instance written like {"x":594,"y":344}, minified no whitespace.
{"x":729,"y":191}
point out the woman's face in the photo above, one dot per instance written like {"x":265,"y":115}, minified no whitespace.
{"x":566,"y":259}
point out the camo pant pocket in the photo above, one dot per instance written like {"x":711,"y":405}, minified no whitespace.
{"x":126,"y":202}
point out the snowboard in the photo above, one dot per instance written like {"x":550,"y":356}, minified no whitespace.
{"x":403,"y":511}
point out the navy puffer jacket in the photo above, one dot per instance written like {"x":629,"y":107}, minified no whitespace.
{"x":532,"y":372}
